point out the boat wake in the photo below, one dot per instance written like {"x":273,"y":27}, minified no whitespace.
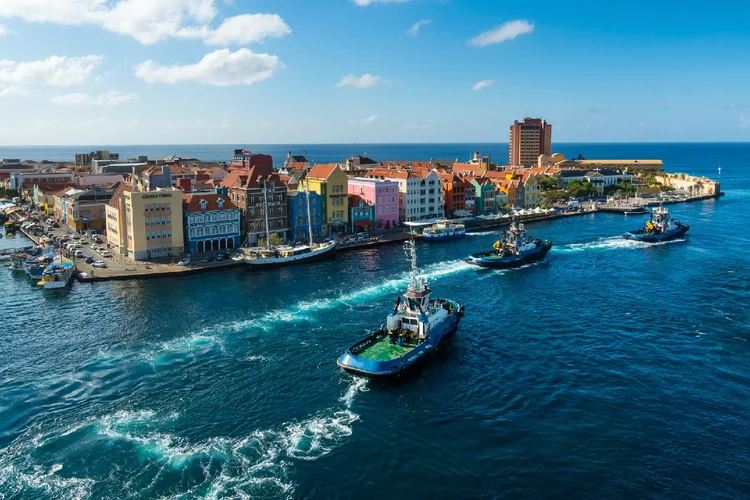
{"x":610,"y":243}
{"x":255,"y":465}
{"x":483,"y":233}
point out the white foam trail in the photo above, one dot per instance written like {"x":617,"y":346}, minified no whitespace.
{"x":482,"y":233}
{"x":251,"y":466}
{"x":610,"y":243}
{"x":16,"y":483}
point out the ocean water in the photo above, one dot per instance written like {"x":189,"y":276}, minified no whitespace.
{"x":611,"y":370}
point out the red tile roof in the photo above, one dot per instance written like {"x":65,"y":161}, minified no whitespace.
{"x":122,"y":188}
{"x":192,"y":202}
{"x":250,"y":178}
{"x":322,"y":170}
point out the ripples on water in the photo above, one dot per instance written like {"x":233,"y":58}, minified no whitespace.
{"x":613,"y":369}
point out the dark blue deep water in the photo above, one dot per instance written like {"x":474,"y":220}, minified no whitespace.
{"x":610,"y":370}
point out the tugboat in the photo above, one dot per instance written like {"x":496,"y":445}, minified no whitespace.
{"x":660,"y":227}
{"x":415,"y":328}
{"x":444,"y":230}
{"x":513,"y":250}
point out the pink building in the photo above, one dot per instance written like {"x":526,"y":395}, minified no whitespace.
{"x":381,"y":193}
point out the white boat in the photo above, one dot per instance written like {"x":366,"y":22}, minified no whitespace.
{"x":285,"y":255}
{"x":444,"y":230}
{"x":57,"y":275}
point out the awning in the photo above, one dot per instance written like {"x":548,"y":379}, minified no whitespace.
{"x":362,"y":223}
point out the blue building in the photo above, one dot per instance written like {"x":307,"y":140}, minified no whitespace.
{"x":211,"y":222}
{"x":297,"y":203}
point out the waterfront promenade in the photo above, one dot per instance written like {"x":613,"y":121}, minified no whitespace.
{"x":119,"y":268}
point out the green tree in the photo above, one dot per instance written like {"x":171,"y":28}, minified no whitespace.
{"x":175,"y":253}
{"x":579,"y":189}
{"x":547,"y":183}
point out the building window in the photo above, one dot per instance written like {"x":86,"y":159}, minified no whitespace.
{"x":204,"y":204}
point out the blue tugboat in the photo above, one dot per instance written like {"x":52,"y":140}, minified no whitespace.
{"x":660,"y":227}
{"x":415,"y":328}
{"x":514,"y":249}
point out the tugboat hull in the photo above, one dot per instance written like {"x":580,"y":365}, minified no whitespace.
{"x":490,"y":260}
{"x":656,"y":238}
{"x":398,"y":367}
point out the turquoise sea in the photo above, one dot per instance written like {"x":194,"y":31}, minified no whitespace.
{"x":611,"y":370}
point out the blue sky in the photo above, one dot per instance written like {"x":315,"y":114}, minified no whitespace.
{"x":338,"y":71}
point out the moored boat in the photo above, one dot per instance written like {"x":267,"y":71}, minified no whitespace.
{"x":284,"y":255}
{"x":514,"y":249}
{"x":660,"y":227}
{"x":57,"y":275}
{"x":416,"y":328}
{"x":444,"y":230}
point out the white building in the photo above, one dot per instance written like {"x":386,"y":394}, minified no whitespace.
{"x":420,"y":192}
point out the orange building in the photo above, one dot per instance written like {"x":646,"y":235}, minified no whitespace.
{"x":529,"y":138}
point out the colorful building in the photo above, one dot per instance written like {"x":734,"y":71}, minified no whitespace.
{"x":471,"y":196}
{"x":382,"y":194}
{"x":260,"y":195}
{"x":529,"y":139}
{"x":211,"y":222}
{"x":297,"y":203}
{"x":485,"y":195}
{"x":454,"y":194}
{"x":361,"y":214}
{"x":86,"y":208}
{"x":332,"y":184}
{"x":145,"y":224}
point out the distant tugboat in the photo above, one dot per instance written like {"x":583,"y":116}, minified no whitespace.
{"x":513,"y":250}
{"x":416,"y":328}
{"x":660,"y":227}
{"x":444,"y":230}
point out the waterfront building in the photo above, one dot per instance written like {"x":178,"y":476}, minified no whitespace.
{"x":258,"y":191}
{"x":471,"y":196}
{"x":297,"y":209}
{"x":211,"y":222}
{"x":85,"y":209}
{"x":243,"y":159}
{"x":165,"y":176}
{"x":695,"y":186}
{"x":44,"y":196}
{"x":24,"y":181}
{"x":598,"y":178}
{"x":361,"y":214}
{"x":532,"y":192}
{"x":145,"y":224}
{"x":529,"y":138}
{"x":420,"y":191}
{"x":332,"y":184}
{"x":454,"y":194}
{"x":484,"y":195}
{"x":382,"y":194}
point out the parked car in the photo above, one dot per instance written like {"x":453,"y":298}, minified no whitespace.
{"x":79,"y":254}
{"x":106,"y":254}
{"x":184,"y":262}
{"x":55,"y":224}
{"x":76,"y":236}
{"x":89,"y":260}
{"x":207,"y":259}
{"x":220,"y":257}
{"x":100,"y":264}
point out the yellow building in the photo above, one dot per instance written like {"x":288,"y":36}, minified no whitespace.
{"x":332,"y":184}
{"x":145,"y":225}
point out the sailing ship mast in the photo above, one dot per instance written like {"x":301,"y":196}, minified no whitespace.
{"x":265,"y":212}
{"x":307,"y":193}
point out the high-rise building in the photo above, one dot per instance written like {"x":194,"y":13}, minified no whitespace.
{"x":529,"y":139}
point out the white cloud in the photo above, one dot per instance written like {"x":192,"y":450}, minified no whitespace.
{"x":744,"y":122}
{"x":11,"y":90}
{"x":57,"y":71}
{"x":360,"y":82}
{"x":108,"y":100}
{"x":506,"y":31}
{"x":4,"y":30}
{"x":365,"y":3}
{"x":221,"y":68}
{"x":248,"y":28}
{"x":483,"y":84}
{"x":150,"y":21}
{"x":414,"y":30}
{"x":370,"y":119}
